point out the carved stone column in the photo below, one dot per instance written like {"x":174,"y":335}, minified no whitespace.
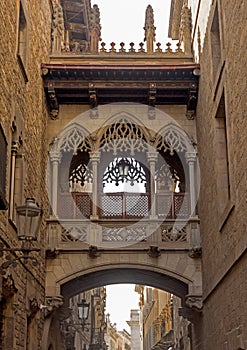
{"x":95,"y":158}
{"x":191,"y":160}
{"x":152,"y":158}
{"x":55,"y":160}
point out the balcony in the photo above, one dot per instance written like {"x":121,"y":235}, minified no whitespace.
{"x":123,"y":220}
{"x":122,"y":205}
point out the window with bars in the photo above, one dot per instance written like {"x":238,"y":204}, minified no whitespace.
{"x":3,"y":158}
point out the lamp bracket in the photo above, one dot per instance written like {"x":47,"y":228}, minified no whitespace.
{"x":13,"y":261}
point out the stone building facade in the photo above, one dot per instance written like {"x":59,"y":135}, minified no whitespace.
{"x":156,"y":318}
{"x":25,"y":43}
{"x":218,"y":39}
{"x":116,"y":339}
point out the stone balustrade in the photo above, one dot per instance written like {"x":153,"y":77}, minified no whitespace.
{"x":171,"y":48}
{"x":166,"y":235}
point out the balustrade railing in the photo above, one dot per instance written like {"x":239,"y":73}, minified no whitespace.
{"x":121,"y":205}
{"x":183,"y":233}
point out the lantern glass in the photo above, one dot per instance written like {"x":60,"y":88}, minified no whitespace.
{"x":123,"y":167}
{"x":28,"y":220}
{"x":83,"y":310}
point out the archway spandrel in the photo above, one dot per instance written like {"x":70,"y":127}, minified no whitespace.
{"x":181,"y":268}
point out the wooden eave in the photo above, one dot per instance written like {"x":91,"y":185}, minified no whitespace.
{"x":76,"y":84}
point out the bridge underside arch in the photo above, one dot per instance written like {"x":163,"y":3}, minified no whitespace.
{"x":123,"y":275}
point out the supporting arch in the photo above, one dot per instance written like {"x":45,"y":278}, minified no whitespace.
{"x":120,"y":275}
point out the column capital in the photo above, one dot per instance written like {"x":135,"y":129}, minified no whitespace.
{"x":15,"y":146}
{"x":55,"y":156}
{"x":152,"y":156}
{"x":95,"y":156}
{"x":191,"y":156}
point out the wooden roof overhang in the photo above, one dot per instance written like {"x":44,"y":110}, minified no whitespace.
{"x":102,"y":84}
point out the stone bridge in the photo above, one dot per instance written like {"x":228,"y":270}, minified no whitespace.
{"x":168,"y":257}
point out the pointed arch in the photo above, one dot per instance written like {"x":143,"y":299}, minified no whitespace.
{"x":72,"y":139}
{"x":123,"y":132}
{"x":173,"y":138}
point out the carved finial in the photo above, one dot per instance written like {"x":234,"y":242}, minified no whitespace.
{"x":112,"y":49}
{"x":122,"y":49}
{"x":103,"y":49}
{"x":141,"y":49}
{"x":149,"y":29}
{"x":132,"y":47}
{"x":158,"y":47}
{"x":95,"y":29}
{"x":185,"y":28}
{"x":169,"y":49}
{"x":179,"y":50}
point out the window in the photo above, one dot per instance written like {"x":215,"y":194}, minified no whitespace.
{"x":215,"y":42}
{"x":222,"y":163}
{"x":3,"y":157}
{"x":22,"y":41}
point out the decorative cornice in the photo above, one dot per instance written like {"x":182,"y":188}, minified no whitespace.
{"x":141,"y":83}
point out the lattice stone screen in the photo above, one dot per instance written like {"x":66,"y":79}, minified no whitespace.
{"x":124,"y":205}
{"x":173,"y":205}
{"x":74,"y":206}
{"x":111,"y":206}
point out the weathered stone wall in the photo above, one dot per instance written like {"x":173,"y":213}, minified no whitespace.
{"x":223,"y":227}
{"x":23,"y":103}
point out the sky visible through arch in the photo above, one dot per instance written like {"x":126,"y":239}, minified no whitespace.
{"x":123,"y":20}
{"x":120,"y":300}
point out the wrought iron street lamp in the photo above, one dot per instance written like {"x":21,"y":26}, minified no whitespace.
{"x":28,"y":220}
{"x":83,"y":311}
{"x":123,"y":167}
{"x":28,"y":223}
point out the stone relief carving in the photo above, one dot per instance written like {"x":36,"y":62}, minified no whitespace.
{"x":173,"y":234}
{"x":125,"y":234}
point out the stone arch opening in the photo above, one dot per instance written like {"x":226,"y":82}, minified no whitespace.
{"x":133,"y":275}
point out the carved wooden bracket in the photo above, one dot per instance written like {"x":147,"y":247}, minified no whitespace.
{"x":93,"y":100}
{"x":191,"y":102}
{"x":53,"y":102}
{"x":92,"y":95}
{"x":152,"y":94}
